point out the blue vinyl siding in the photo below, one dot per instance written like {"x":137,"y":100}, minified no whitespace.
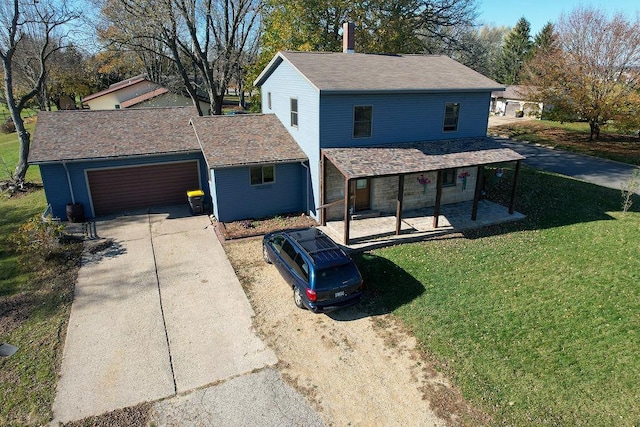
{"x":236,"y":199}
{"x":56,"y":185}
{"x":326,"y":120}
{"x":286,"y":83}
{"x":402,"y":117}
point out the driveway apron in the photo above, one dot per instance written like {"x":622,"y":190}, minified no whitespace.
{"x":158,"y":313}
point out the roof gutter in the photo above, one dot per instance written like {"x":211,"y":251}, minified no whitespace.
{"x":73,"y":198}
{"x":128,"y":156}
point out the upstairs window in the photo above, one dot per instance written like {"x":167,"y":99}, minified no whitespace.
{"x":294,"y":112}
{"x":362,"y":115}
{"x":451,"y":114}
{"x":263,"y":175}
{"x":269,"y":100}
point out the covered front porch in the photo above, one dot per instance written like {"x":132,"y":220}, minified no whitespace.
{"x":459,"y":159}
{"x":418,"y":224}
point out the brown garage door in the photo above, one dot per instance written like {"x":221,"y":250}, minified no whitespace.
{"x":120,"y":189}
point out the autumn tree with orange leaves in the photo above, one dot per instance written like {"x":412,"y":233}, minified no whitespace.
{"x":592,"y":73}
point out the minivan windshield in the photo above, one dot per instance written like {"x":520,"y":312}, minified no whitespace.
{"x":335,"y":277}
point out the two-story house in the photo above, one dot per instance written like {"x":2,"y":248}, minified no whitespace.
{"x":340,"y":133}
{"x":383,"y":132}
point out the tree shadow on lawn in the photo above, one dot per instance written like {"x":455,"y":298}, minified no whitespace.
{"x":550,"y":200}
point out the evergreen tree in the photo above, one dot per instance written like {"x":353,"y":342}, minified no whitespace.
{"x":546,"y":40}
{"x":516,"y":50}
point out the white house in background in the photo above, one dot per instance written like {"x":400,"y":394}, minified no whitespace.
{"x":514,"y":98}
{"x":137,"y":92}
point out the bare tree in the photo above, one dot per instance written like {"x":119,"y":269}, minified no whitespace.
{"x":205,"y":39}
{"x":594,"y":73}
{"x":24,"y":23}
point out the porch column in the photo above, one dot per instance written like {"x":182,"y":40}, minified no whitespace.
{"x":399,"y":204}
{"x":323,"y":190}
{"x":513,"y":189}
{"x":436,"y":208}
{"x":476,"y":195}
{"x":347,"y":217}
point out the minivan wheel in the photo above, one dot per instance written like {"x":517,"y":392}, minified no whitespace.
{"x":297,"y":298}
{"x":265,"y":254}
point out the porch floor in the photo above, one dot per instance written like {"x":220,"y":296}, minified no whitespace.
{"x":371,"y":233}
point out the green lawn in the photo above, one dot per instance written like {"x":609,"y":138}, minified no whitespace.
{"x":35,"y":299}
{"x":538,"y":321}
{"x":9,"y":156}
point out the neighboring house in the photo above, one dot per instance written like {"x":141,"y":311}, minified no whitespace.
{"x":137,"y":92}
{"x":514,"y":99}
{"x":341,"y":133}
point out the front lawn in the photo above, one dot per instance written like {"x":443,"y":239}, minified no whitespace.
{"x":575,"y":137}
{"x":35,"y":299}
{"x":536,"y":321}
{"x":9,"y":155}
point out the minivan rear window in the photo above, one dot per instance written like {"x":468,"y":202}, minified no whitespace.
{"x":335,"y":277}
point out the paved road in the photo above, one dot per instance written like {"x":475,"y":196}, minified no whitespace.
{"x":159,"y":314}
{"x":606,"y":173}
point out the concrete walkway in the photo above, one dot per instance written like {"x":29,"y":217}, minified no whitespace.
{"x":158,"y":313}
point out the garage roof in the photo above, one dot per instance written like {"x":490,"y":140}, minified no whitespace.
{"x":86,"y":134}
{"x":245,"y":139}
{"x":394,"y":159}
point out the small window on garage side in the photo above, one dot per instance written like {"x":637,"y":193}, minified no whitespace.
{"x":362,"y":115}
{"x":451,"y":114}
{"x":294,"y":112}
{"x":263,"y":175}
{"x":448,"y":177}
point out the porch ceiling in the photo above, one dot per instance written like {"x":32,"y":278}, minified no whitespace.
{"x":395,"y":159}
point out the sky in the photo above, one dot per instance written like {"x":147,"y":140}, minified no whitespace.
{"x":539,"y":12}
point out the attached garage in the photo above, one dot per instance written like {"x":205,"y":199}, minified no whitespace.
{"x":118,"y":160}
{"x":126,"y":188}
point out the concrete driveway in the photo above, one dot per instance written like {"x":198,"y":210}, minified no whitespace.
{"x":158,"y":313}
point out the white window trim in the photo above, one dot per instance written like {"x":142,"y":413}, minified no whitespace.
{"x":297,"y":112}
{"x":353,"y":124}
{"x":444,"y":119}
{"x":262,"y":178}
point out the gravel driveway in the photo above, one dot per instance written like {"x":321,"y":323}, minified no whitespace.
{"x":356,"y":367}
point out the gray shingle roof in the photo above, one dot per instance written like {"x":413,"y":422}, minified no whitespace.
{"x":358,"y":72}
{"x":392,"y":159}
{"x":85,"y":134}
{"x":245,"y":139}
{"x":512,"y":92}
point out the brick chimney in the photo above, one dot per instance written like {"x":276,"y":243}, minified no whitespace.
{"x":348,"y":37}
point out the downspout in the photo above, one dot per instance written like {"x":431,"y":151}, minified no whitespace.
{"x":306,"y":192}
{"x":73,"y":199}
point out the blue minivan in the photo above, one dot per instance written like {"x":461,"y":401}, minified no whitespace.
{"x":323,"y":277}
